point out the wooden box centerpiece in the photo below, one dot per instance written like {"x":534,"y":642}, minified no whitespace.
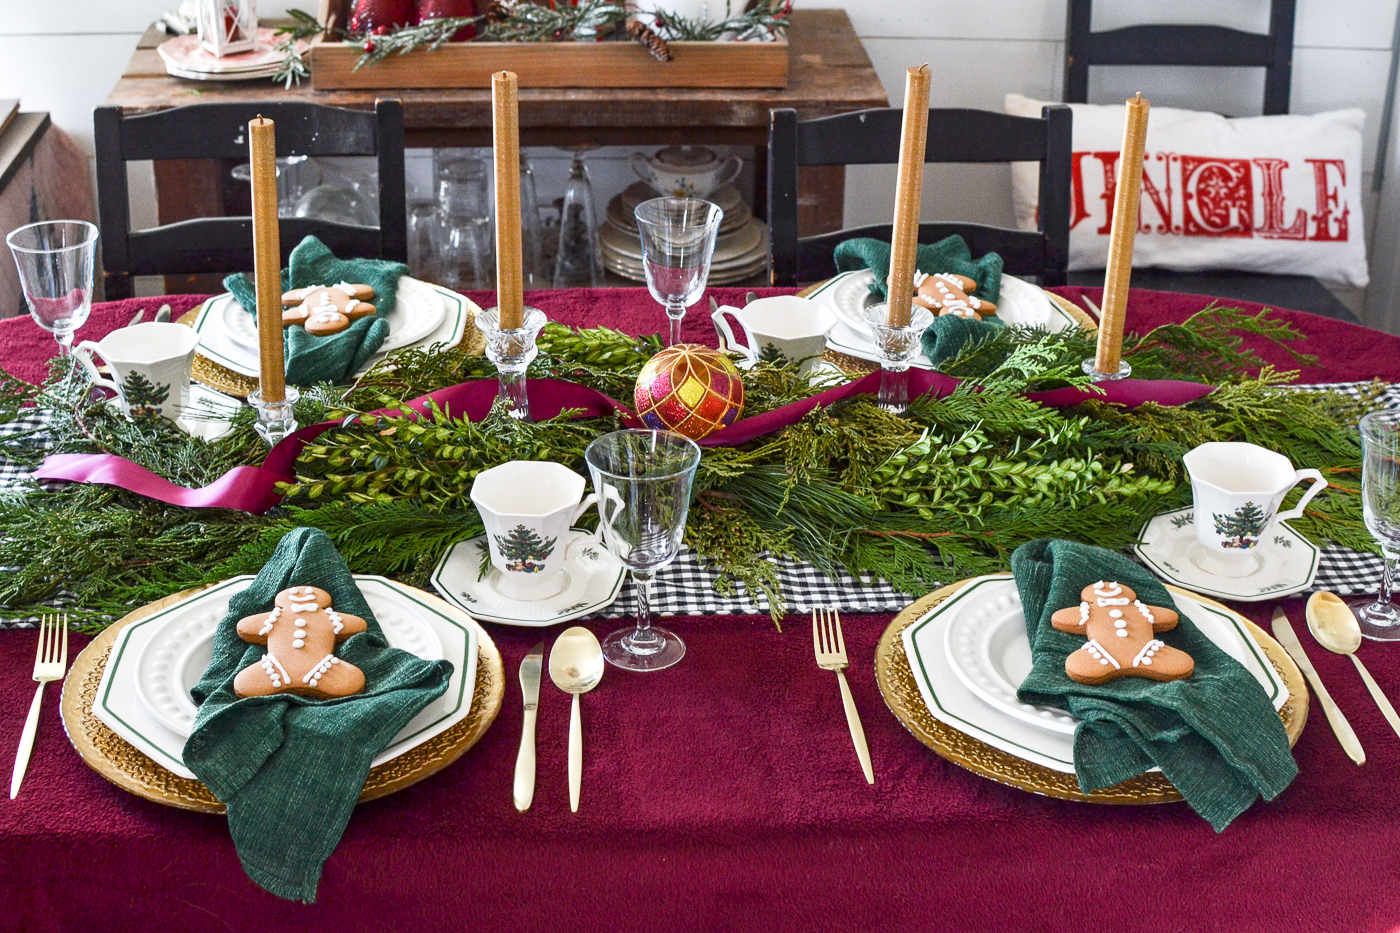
{"x":562,"y":63}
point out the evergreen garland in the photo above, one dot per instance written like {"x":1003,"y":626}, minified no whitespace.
{"x":944,"y":493}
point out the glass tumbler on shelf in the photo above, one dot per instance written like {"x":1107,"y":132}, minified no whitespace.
{"x":578,"y":262}
{"x":678,"y":242}
{"x":56,"y":259}
{"x":643,"y":480}
{"x":467,"y":253}
{"x":423,"y":224}
{"x":531,"y":229}
{"x":1380,"y":500}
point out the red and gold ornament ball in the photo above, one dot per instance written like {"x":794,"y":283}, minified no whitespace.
{"x":690,"y":389}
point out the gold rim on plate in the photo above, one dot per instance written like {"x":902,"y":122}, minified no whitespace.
{"x":901,"y":693}
{"x":121,"y":763}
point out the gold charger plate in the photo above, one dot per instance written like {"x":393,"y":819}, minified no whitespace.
{"x":119,"y":762}
{"x":902,"y":696}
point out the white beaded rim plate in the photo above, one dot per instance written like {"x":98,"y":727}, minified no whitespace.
{"x":1010,"y":726}
{"x":219,"y":346}
{"x":1287,"y":561}
{"x":848,"y":295}
{"x":119,"y":704}
{"x":417,"y":313}
{"x":594,"y":580}
{"x":181,"y":645}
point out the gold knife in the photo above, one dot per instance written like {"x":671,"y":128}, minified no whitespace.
{"x":1350,"y":743}
{"x":530,"y":670}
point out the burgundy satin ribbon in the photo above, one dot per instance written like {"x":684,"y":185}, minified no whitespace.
{"x":253,"y":488}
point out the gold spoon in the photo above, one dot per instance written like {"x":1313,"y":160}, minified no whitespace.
{"x":576,"y":666}
{"x":1333,"y":624}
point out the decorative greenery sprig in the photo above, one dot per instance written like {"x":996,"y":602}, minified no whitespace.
{"x":292,"y":67}
{"x":946,"y":492}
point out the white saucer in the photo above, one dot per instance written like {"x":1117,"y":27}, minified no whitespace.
{"x":209,"y":415}
{"x":594,"y":578}
{"x":1287,"y":560}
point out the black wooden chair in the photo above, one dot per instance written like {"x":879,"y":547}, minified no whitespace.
{"x":1216,"y":46}
{"x":220,"y":131}
{"x":871,"y":137}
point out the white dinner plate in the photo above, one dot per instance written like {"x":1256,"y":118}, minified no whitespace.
{"x":218,"y":345}
{"x":119,"y":705}
{"x":417,"y":312}
{"x":848,"y":295}
{"x":729,"y":247}
{"x":1026,"y":734}
{"x":181,"y":645}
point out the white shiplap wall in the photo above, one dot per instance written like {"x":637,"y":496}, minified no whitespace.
{"x":64,"y":57}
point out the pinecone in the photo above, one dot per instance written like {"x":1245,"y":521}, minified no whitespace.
{"x":644,"y":35}
{"x":495,"y":12}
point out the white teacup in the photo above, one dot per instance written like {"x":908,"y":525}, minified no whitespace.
{"x":686,"y":171}
{"x":1237,"y":489}
{"x":796,"y":327}
{"x":528,"y":507}
{"x":151,"y":363}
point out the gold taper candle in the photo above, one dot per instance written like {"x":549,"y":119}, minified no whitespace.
{"x":908,"y":195}
{"x":1120,"y":239}
{"x":267,"y":258}
{"x":505,"y":137}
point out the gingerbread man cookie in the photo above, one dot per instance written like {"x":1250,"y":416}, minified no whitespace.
{"x":327,"y":309}
{"x":1120,"y":627}
{"x":301,"y":633}
{"x":945,"y":293}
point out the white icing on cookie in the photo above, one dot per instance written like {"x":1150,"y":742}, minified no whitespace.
{"x":1146,"y":612}
{"x":1100,"y":653}
{"x":1144,"y":657}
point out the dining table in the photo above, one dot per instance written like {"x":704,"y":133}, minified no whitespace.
{"x":723,"y":793}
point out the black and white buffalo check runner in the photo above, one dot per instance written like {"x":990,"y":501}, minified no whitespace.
{"x":687,"y":587}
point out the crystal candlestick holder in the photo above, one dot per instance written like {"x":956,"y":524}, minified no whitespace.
{"x":275,"y":419}
{"x":512,"y":351}
{"x":1091,"y":369}
{"x":896,"y":345}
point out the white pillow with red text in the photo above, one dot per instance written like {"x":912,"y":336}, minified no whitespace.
{"x":1257,"y":194}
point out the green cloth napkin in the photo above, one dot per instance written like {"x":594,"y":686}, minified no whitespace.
{"x":290,"y":768}
{"x":947,"y":255}
{"x":1215,"y":734}
{"x":946,"y":337}
{"x":338,"y":357}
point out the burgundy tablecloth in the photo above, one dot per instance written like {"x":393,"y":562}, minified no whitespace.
{"x":723,"y":795}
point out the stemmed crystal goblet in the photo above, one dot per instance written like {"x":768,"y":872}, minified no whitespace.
{"x":1380,"y":499}
{"x":678,"y":242}
{"x":55,"y":260}
{"x":643,"y":481}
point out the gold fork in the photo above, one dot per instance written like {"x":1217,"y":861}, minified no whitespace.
{"x":831,"y":656}
{"x":49,"y":662}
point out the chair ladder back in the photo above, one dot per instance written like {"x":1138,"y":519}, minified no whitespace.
{"x":1216,"y":46}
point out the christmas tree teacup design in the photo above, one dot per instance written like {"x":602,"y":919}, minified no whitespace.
{"x":150,"y":365}
{"x":527,"y":507}
{"x":1240,"y":487}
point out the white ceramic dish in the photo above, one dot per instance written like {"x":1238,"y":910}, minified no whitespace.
{"x":730,"y":248}
{"x":119,"y":704}
{"x":185,"y":54}
{"x":1287,"y":560}
{"x":417,"y":313}
{"x":216,"y":343}
{"x":848,"y":294}
{"x":951,"y":700}
{"x":179,"y":649}
{"x":209,"y":415}
{"x":594,"y":580}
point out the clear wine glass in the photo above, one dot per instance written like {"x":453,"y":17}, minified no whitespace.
{"x":55,"y":260}
{"x":678,"y":242}
{"x":643,"y":481}
{"x":1380,"y":499}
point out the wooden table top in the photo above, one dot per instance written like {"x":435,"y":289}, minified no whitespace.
{"x":829,"y":73}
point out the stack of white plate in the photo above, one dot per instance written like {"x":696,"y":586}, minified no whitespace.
{"x":849,"y":294}
{"x":741,"y":251}
{"x":970,"y":653}
{"x":423,"y":314}
{"x":185,"y":59}
{"x":144,"y":696}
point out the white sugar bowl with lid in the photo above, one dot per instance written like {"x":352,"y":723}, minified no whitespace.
{"x":686,"y":171}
